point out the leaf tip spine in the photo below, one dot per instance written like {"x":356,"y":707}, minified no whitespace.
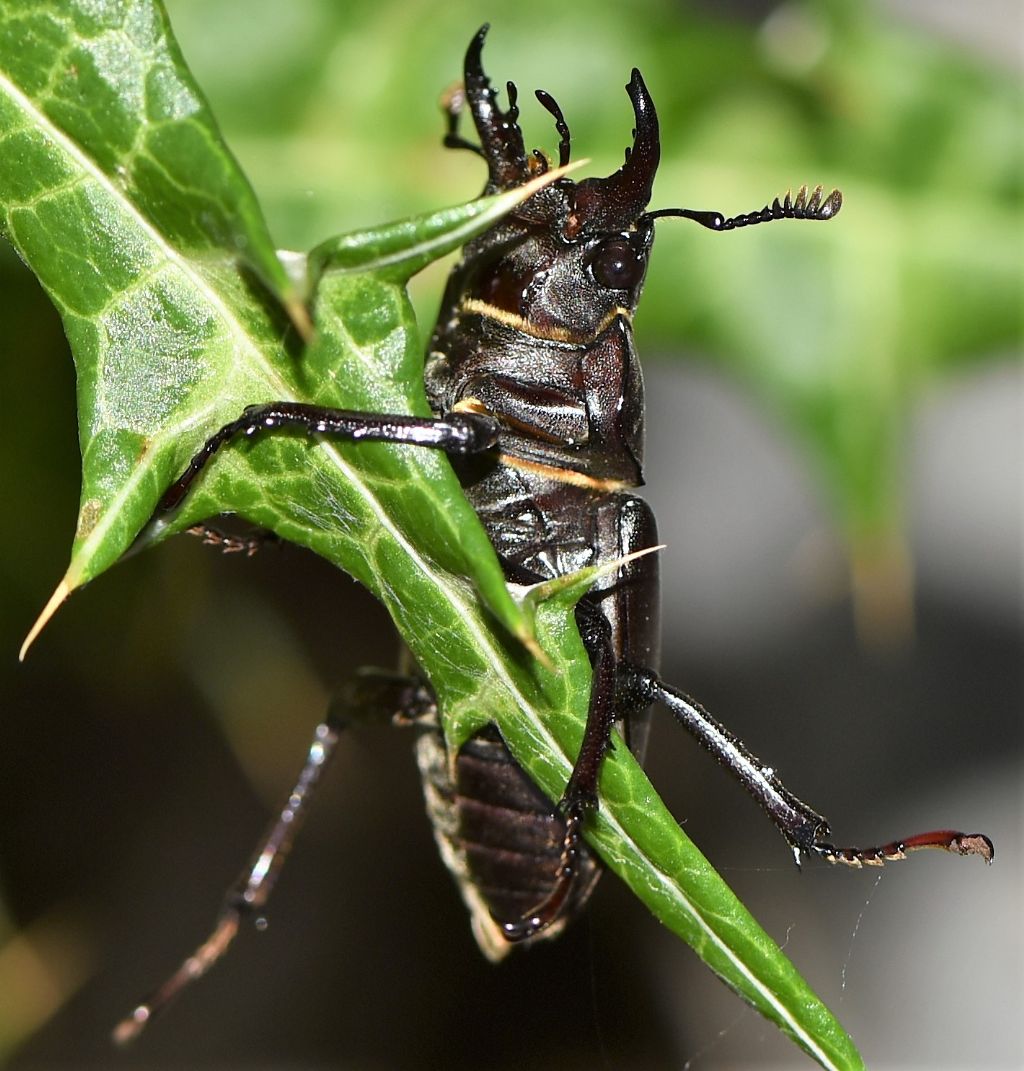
{"x":60,"y":593}
{"x":298,"y":313}
{"x":529,"y":641}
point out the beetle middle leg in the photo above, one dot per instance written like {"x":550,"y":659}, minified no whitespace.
{"x":620,"y":689}
{"x":456,"y":433}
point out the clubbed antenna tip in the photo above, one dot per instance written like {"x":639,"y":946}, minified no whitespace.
{"x":800,"y":207}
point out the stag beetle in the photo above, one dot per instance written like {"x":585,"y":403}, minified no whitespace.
{"x":538,"y":399}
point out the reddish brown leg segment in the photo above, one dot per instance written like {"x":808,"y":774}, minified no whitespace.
{"x":249,"y":895}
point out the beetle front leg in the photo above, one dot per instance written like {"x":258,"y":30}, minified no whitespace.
{"x":453,"y":103}
{"x":457,"y":433}
{"x":806,"y":831}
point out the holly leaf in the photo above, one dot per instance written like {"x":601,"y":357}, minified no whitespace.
{"x":118,"y":192}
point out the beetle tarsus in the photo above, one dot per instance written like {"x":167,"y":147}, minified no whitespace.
{"x":230,"y":543}
{"x":947,"y":840}
{"x":192,"y":969}
{"x":555,"y":904}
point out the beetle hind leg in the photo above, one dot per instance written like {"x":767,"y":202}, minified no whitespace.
{"x":372,"y":696}
{"x":805,"y":830}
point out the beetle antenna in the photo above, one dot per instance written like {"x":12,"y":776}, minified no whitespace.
{"x":561,"y":125}
{"x":802,"y":207}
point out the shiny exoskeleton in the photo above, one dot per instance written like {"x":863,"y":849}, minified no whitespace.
{"x":535,"y":330}
{"x":538,"y":400}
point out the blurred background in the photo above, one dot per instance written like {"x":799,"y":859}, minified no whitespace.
{"x":835,"y":458}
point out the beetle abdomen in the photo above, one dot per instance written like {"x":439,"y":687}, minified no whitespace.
{"x":497,"y":833}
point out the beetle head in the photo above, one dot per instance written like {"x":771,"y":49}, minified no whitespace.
{"x":574,"y":253}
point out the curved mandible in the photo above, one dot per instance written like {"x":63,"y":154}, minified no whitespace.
{"x":615,"y":202}
{"x":500,"y":136}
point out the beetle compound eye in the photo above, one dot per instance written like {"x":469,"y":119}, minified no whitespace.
{"x":617,"y":265}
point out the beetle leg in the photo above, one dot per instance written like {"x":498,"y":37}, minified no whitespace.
{"x":804,"y":829}
{"x":230,"y":543}
{"x":248,"y":896}
{"x":456,"y":433}
{"x":580,"y":796}
{"x":453,"y":102}
{"x":373,"y":696}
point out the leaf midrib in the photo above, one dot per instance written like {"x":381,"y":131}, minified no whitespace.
{"x":675,"y":890}
{"x":41,"y":121}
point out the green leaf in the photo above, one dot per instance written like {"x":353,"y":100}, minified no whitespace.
{"x":108,"y":81}
{"x":161,"y":289}
{"x":171,"y":334}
